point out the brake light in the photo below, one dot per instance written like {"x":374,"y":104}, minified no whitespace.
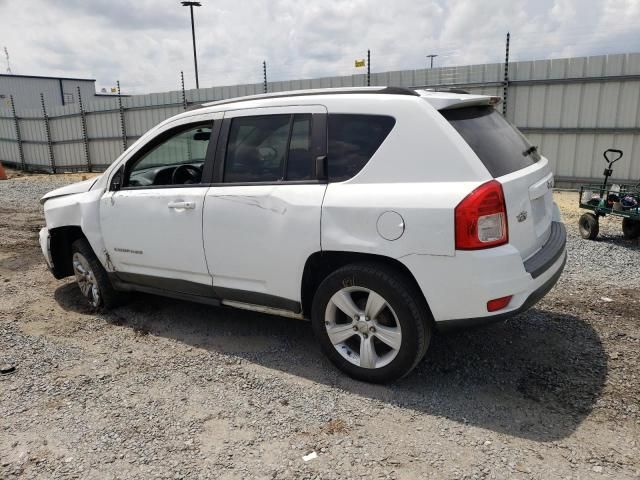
{"x":481,"y":218}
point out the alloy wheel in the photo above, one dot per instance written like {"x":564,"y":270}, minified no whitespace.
{"x":363,"y":327}
{"x":86,"y":279}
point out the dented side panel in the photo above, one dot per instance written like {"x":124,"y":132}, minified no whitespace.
{"x":258,"y":237}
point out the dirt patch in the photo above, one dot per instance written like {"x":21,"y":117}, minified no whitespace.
{"x":70,"y":177}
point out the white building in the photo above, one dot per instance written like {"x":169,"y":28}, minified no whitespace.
{"x":26,"y":90}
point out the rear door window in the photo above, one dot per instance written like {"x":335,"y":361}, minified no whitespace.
{"x":269,"y":148}
{"x":257,"y":148}
{"x":499,"y":145}
{"x":353,"y":139}
{"x":299,"y":163}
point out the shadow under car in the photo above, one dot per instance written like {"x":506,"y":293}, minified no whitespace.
{"x":537,"y":376}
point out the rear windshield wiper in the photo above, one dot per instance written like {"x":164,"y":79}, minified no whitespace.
{"x":530,"y":150}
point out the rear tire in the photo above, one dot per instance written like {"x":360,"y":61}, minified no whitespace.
{"x":91,"y":276}
{"x":380,"y":325}
{"x":630,"y":228}
{"x":589,"y":226}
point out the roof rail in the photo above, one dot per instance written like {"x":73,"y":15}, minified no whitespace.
{"x":318,"y":91}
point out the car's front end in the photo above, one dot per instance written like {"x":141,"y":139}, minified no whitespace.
{"x":62,"y":212}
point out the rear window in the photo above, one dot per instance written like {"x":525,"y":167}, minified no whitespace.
{"x":498,"y":144}
{"x":353,"y":139}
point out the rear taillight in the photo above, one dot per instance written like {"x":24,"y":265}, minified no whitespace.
{"x":481,"y":218}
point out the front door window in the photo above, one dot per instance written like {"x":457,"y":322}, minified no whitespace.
{"x":175,"y":160}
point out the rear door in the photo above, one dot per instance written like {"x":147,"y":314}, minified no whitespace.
{"x":262,"y":216}
{"x":526,"y":177}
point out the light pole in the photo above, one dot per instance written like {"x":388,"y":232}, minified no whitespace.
{"x":193,"y":35}
{"x":431,"y":57}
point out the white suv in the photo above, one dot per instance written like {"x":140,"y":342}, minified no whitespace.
{"x":379,"y":213}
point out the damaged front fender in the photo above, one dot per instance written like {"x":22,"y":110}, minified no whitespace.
{"x":79,"y":187}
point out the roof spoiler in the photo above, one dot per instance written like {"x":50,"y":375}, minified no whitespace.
{"x":461,"y":91}
{"x":472,"y":102}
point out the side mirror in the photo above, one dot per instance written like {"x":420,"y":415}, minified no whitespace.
{"x":202,"y":136}
{"x":116,"y":180}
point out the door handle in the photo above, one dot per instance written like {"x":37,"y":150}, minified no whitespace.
{"x":182,"y":205}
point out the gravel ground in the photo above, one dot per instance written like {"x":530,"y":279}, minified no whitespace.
{"x":160,"y":388}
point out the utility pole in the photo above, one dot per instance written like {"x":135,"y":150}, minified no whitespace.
{"x":193,"y":36}
{"x":264,"y":76}
{"x":431,"y":56}
{"x":368,"y":68}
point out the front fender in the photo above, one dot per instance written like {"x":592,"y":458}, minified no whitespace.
{"x":82,"y":210}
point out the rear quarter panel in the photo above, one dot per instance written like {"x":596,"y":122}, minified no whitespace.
{"x":350,"y":216}
{"x":422,"y":170}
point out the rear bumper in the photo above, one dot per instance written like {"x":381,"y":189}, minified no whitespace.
{"x":458,"y":288}
{"x":532,"y":299}
{"x":547,"y":256}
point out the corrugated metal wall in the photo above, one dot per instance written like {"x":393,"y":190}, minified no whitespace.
{"x":573,"y":109}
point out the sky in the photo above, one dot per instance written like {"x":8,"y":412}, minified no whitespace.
{"x":146,"y":43}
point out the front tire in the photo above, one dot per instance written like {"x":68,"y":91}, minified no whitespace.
{"x":91,"y":277}
{"x":371,"y":322}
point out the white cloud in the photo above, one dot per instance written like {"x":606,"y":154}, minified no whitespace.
{"x":146,"y":43}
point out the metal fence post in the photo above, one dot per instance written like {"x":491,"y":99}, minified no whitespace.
{"x":368,"y":68}
{"x":184,"y":96}
{"x":122,"y":122}
{"x":85,"y":137}
{"x":505,"y":88}
{"x":47,"y":130}
{"x":18,"y":137}
{"x":264,"y":74}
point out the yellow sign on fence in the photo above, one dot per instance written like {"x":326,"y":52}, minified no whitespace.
{"x":361,"y":63}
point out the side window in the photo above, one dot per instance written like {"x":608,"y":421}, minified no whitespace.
{"x":299,"y":162}
{"x":269,"y":148}
{"x":176,"y":160}
{"x":353,"y":139}
{"x":256,"y":148}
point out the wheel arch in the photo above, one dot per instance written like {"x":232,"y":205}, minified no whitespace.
{"x":321,"y":264}
{"x":61,"y":239}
